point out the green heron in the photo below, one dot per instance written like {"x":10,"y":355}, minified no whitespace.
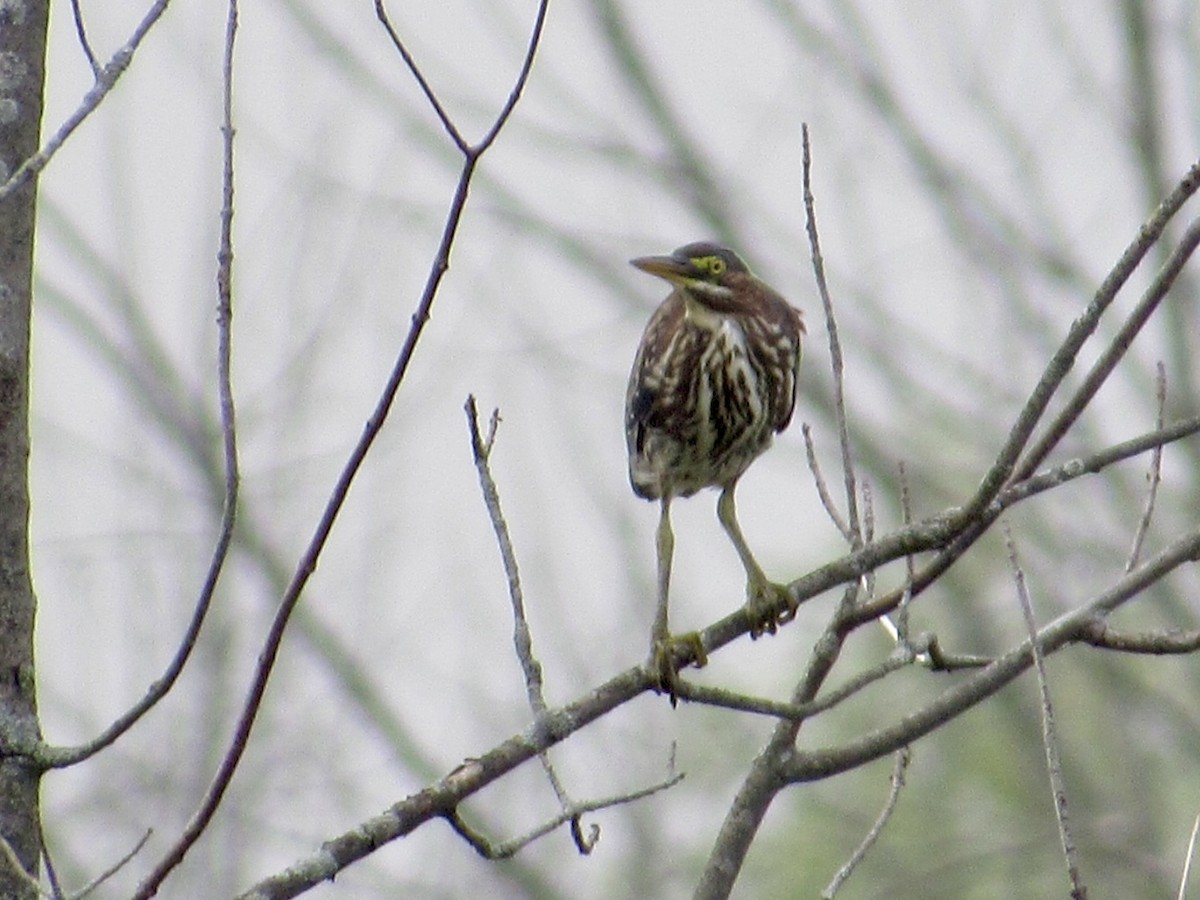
{"x":713,"y":381}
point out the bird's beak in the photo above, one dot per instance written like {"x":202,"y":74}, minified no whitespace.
{"x":671,"y":268}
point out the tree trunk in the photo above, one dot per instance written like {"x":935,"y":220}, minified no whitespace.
{"x":22,"y":70}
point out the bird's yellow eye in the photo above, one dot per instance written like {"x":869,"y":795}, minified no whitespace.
{"x":714,"y":264}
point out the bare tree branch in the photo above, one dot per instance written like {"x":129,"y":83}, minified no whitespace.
{"x":899,"y":768}
{"x":1005,"y":466}
{"x":1187,"y":860}
{"x":835,"y":346}
{"x":784,"y":763}
{"x":866,"y":534}
{"x":822,"y":488}
{"x":762,"y":782}
{"x":1099,"y":634}
{"x":469,"y":152}
{"x":113,"y":869}
{"x":67,"y":756}
{"x":308,"y":561}
{"x":1058,"y":786}
{"x":106,"y":80}
{"x":81,"y":32}
{"x":957,"y":541}
{"x":765,"y":778}
{"x":910,"y":566}
{"x":442,"y":798}
{"x":573,"y":813}
{"x":939,"y":531}
{"x":719,"y":697}
{"x":481,"y":450}
{"x":23,"y":42}
{"x":981,"y":511}
{"x":1154,"y":476}
{"x":447,"y":123}
{"x":821,"y":763}
{"x":1116,"y":348}
{"x":56,"y":890}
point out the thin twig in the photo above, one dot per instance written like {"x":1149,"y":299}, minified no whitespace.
{"x":208,"y":806}
{"x":308,"y":561}
{"x":1005,"y":467}
{"x":478,"y":149}
{"x":106,"y":80}
{"x":868,"y":497}
{"x":933,"y":533}
{"x":81,"y":32}
{"x":1187,"y":861}
{"x":113,"y":869}
{"x":726,"y":699}
{"x":1097,"y":462}
{"x":1154,"y":476}
{"x":56,"y":890}
{"x":1112,"y":353}
{"x":980,"y":512}
{"x":507,"y":849}
{"x":822,"y":488}
{"x":444,"y":117}
{"x":929,"y":653}
{"x":481,"y":450}
{"x":835,"y":345}
{"x":901,"y":618}
{"x":927,"y":650}
{"x":1058,"y":786}
{"x":950,"y":531}
{"x":822,"y":762}
{"x":62,"y":757}
{"x":868,"y":535}
{"x":899,"y":768}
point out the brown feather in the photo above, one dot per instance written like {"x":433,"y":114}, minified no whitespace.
{"x":713,"y":380}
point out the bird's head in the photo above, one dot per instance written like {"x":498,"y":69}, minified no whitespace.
{"x":706,"y":271}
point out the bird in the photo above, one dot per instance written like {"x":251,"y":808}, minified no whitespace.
{"x":713,"y":380}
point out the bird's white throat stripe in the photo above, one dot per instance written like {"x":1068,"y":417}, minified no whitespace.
{"x":703,"y":317}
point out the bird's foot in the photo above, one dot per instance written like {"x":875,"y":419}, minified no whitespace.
{"x":669,"y":654}
{"x":768,"y":605}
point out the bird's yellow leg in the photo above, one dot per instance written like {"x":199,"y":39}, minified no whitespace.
{"x":664,"y":546}
{"x":663,"y":645}
{"x":768,"y":604}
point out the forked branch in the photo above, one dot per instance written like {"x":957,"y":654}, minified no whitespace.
{"x":309,"y":558}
